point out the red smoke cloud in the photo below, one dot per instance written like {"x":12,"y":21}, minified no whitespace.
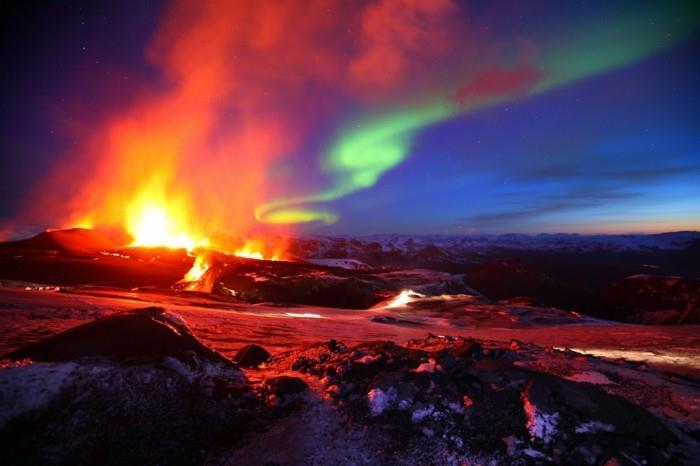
{"x":496,"y":81}
{"x":401,"y":39}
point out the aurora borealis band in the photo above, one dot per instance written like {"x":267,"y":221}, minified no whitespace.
{"x":358,"y":158}
{"x":426,"y":116}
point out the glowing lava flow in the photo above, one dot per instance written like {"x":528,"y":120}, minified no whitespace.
{"x":201,"y":277}
{"x":200,"y":266}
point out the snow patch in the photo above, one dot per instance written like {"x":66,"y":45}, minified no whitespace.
{"x":404,"y":404}
{"x":403,"y":298}
{"x":379,"y":400}
{"x":419,"y":414}
{"x":456,"y":407}
{"x":593,"y":426}
{"x":541,"y":426}
{"x":349,"y":264}
{"x":179,"y":367}
{"x":30,"y":387}
{"x":369,"y":359}
{"x":304,"y":315}
{"x":174,"y":319}
{"x":590,"y":377}
{"x":532,"y":453}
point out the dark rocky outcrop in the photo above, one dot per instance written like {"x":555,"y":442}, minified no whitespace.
{"x":133,"y":335}
{"x":285,"y":385}
{"x":251,"y":356}
{"x":133,"y":388}
{"x":652,"y":299}
{"x":441,"y":399}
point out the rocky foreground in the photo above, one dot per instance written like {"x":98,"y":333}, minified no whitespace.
{"x":138,"y":387}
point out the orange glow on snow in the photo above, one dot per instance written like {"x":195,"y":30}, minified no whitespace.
{"x":403,"y":298}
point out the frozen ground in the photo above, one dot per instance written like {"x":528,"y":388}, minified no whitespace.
{"x":225,"y":325}
{"x":467,"y":381}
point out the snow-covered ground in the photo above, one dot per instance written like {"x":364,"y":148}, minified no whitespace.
{"x":336,"y":391}
{"x":227,"y":325}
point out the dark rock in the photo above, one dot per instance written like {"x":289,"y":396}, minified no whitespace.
{"x":308,"y":284}
{"x":285,"y":385}
{"x":494,"y":353}
{"x":251,"y":356}
{"x":588,"y":402}
{"x":393,"y":320}
{"x":131,"y":376}
{"x":651,"y":299}
{"x":507,"y":278}
{"x":446,"y":360}
{"x":302,"y":364}
{"x":475,"y":402}
{"x":584,"y":423}
{"x":515,"y":344}
{"x":142,"y":333}
{"x":386,"y":380}
{"x":469,"y":350}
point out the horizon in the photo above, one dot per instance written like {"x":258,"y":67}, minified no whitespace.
{"x":28,"y":235}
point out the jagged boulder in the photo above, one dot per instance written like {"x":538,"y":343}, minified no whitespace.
{"x":251,"y":356}
{"x":137,"y":334}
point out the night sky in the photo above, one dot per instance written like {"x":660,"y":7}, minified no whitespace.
{"x":386,"y":116}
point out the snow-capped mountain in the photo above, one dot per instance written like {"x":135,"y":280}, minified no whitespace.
{"x":437,"y":248}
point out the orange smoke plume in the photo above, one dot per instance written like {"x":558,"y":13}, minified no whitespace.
{"x":240,"y":87}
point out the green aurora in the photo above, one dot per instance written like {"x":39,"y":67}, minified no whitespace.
{"x":358,"y":158}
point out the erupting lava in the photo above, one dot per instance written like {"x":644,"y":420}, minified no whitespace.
{"x":165,"y":224}
{"x":200,"y":266}
{"x":153,"y":223}
{"x":253,"y":250}
{"x":202,"y":275}
{"x":249,"y":255}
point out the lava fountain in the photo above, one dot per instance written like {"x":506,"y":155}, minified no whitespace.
{"x":155,"y":225}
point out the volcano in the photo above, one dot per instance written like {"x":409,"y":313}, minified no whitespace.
{"x":380,"y":232}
